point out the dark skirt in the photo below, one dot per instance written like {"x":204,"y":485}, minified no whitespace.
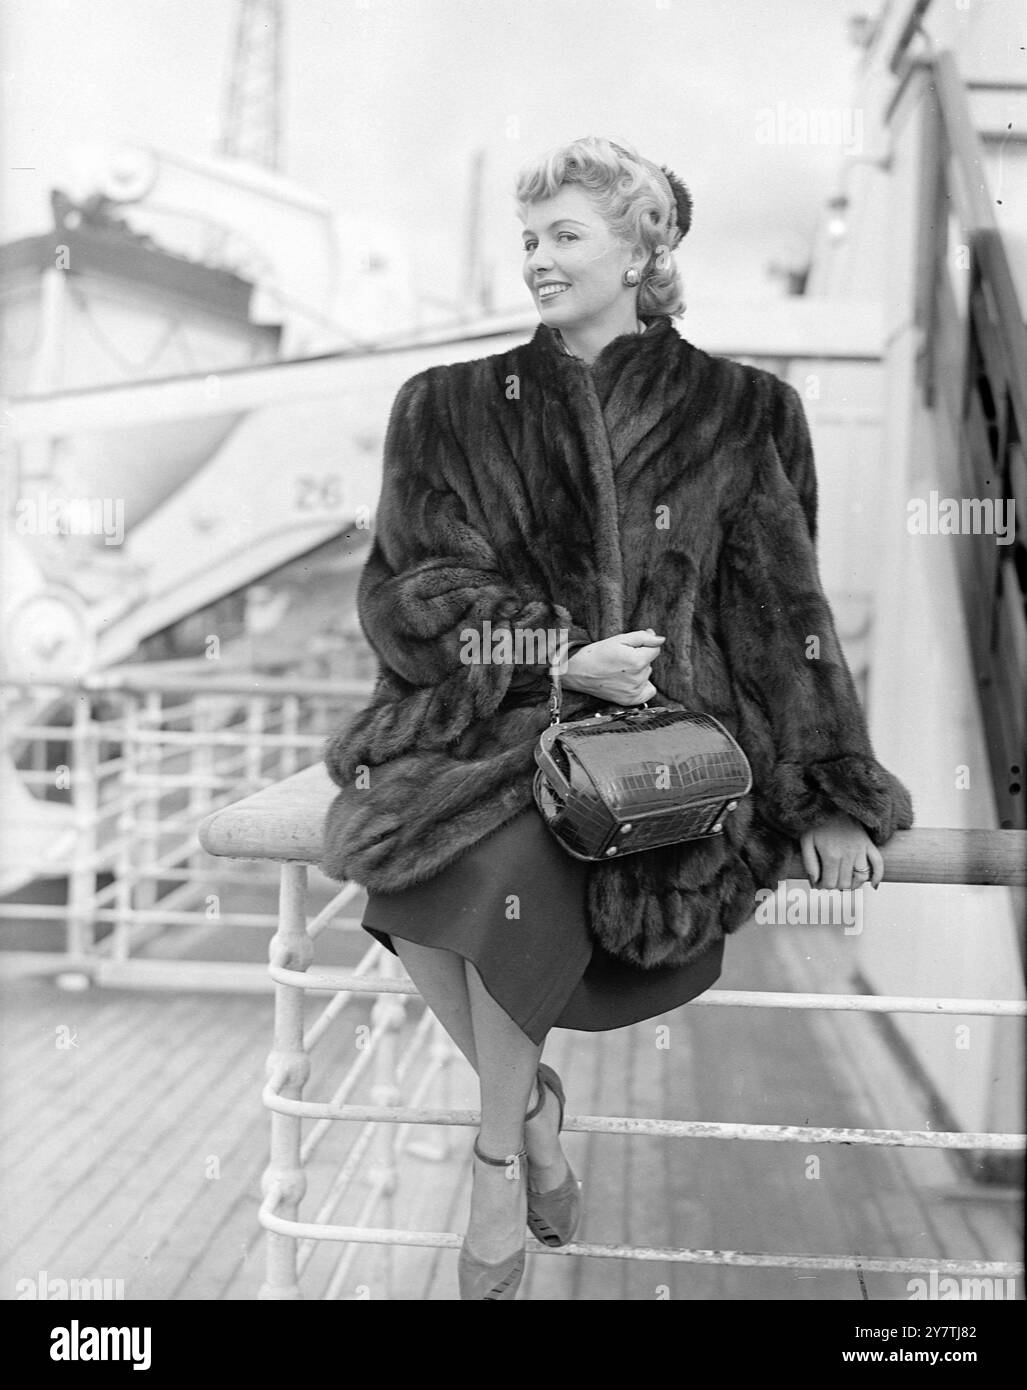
{"x":514,"y":905}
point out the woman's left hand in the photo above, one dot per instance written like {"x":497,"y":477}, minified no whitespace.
{"x":840,"y":854}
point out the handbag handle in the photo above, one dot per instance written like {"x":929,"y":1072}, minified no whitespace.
{"x":555,"y":696}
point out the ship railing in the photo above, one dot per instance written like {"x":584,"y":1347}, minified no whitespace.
{"x":284,"y":823}
{"x":140,"y":757}
{"x":972,"y":372}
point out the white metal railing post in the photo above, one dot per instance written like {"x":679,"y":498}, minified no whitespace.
{"x":256,"y":715}
{"x":201,"y":771}
{"x":388,"y":1014}
{"x":126,"y":824}
{"x":288,"y":1068}
{"x":85,"y":799}
{"x":290,"y":728}
{"x":148,"y":797}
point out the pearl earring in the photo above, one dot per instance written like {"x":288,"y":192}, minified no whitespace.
{"x":630,"y":276}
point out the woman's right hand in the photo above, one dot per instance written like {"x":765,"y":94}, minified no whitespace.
{"x":616,"y":669}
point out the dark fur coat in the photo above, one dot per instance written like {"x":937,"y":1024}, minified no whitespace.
{"x":661,"y":488}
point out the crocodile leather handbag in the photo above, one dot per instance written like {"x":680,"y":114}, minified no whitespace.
{"x":613,"y":784}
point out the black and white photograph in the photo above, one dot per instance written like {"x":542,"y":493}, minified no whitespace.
{"x":513,"y":662}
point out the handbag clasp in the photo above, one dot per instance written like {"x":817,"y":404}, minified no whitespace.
{"x":554,"y":696}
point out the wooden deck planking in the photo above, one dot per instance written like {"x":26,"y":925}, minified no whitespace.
{"x":67,"y":1128}
{"x":224,"y":1247}
{"x":123,"y":1193}
{"x":602,"y":1082}
{"x":912,"y":1216}
{"x":63,"y":1074}
{"x":912,"y":1212}
{"x":102,"y":1184}
{"x":70,"y":1080}
{"x":747,"y":1195}
{"x":689,"y":1220}
{"x":155,"y":1194}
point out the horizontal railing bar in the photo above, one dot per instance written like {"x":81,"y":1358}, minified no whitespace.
{"x":196,"y":875}
{"x":198,"y":976}
{"x":44,"y":777}
{"x":116,"y":732}
{"x":187,"y":919}
{"x":60,"y":912}
{"x":201,"y":976}
{"x":145,"y":681}
{"x":17,"y":965}
{"x":328,"y":980}
{"x":665,"y":1129}
{"x":37,"y":912}
{"x":865,"y":1003}
{"x":218,"y":738}
{"x":447,"y":1240}
{"x":974,"y":84}
{"x":95,"y":733}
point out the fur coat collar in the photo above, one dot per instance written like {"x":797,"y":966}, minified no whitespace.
{"x":662,"y":488}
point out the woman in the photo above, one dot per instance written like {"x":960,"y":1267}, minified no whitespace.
{"x":652,"y":510}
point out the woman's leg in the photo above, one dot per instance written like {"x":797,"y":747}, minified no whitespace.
{"x":442,"y":983}
{"x":445,"y":982}
{"x":507,"y":1064}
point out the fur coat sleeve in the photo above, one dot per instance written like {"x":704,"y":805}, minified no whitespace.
{"x":433,"y":577}
{"x":528,"y":494}
{"x":803,"y":704}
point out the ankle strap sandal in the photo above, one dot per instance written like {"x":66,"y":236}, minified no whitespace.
{"x":553,"y":1216}
{"x":485,"y":1280}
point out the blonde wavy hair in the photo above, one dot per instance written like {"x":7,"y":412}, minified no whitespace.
{"x":635,"y":198}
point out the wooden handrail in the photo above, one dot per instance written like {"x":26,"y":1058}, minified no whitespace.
{"x":985,"y":413}
{"x":993,"y":264}
{"x":973,"y":201}
{"x":905,"y":38}
{"x":976,"y":214}
{"x":284,"y":822}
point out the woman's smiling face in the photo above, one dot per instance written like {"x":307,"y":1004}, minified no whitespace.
{"x":573,"y":263}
